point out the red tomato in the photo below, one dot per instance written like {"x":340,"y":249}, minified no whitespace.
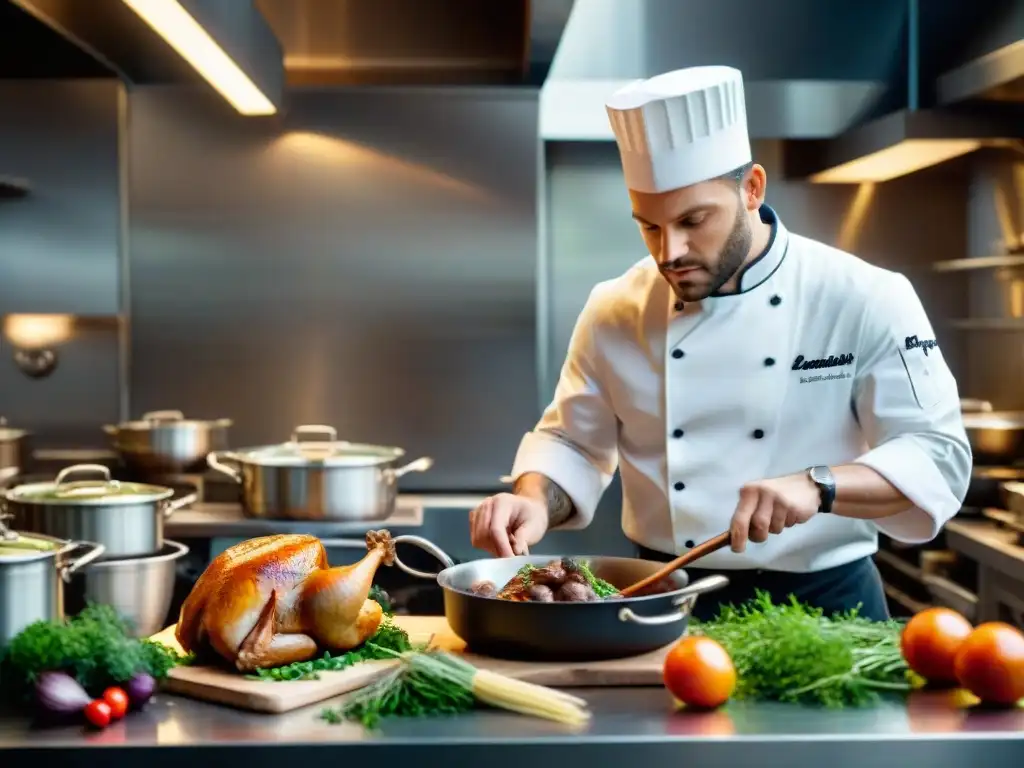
{"x":97,"y":712}
{"x":930,"y":641}
{"x":990,"y":663}
{"x":117,"y":700}
{"x":699,"y":672}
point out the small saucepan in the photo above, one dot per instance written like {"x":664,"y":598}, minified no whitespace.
{"x":325,"y":479}
{"x":996,"y":437}
{"x":561,"y":631}
{"x":165,"y":442}
{"x":15,"y":452}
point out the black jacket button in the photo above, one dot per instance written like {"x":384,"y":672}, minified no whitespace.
{"x":758,"y":434}
{"x":677,"y":353}
{"x":775,"y":300}
{"x":769,"y":361}
{"x":677,"y":433}
{"x":679,"y":486}
{"x":689,"y":544}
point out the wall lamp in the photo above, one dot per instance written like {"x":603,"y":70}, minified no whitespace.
{"x":34,"y":338}
{"x":190,"y":28}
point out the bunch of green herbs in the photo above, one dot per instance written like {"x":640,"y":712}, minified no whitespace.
{"x":424,"y":684}
{"x":95,"y":647}
{"x":793,"y":653}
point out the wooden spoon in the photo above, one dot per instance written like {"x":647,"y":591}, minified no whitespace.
{"x":699,"y":551}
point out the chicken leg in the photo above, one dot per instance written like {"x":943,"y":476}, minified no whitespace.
{"x":335,"y":608}
{"x":263,"y":649}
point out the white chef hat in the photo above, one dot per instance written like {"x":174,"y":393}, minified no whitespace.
{"x":680,"y":128}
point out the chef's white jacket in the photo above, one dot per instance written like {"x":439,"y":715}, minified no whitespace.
{"x":821,"y":358}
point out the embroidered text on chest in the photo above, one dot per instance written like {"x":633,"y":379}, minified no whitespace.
{"x":832,"y":361}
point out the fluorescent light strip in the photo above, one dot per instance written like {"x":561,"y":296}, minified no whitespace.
{"x":900,"y":159}
{"x":175,"y":25}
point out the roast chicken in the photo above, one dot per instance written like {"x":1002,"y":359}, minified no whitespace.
{"x":274,"y":600}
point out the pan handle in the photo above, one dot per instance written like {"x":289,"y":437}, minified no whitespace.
{"x":218,"y":460}
{"x":427,"y":546}
{"x":683,"y":601}
{"x":417,"y":541}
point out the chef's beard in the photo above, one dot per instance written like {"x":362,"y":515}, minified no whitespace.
{"x":721,"y":271}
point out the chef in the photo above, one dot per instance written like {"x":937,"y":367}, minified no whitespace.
{"x":741,"y":378}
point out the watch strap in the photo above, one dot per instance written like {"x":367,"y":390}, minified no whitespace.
{"x":821,"y":476}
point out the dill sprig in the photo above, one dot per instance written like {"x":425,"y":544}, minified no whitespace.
{"x":793,"y":653}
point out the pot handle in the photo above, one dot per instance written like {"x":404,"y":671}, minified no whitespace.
{"x":216,"y":460}
{"x":315,"y":429}
{"x":163,"y":416}
{"x":79,"y":468}
{"x":95,"y":550}
{"x":684,"y":601}
{"x":174,"y":505}
{"x":417,"y":541}
{"x":421,"y":464}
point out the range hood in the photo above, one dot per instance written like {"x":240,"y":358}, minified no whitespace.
{"x":839,"y":86}
{"x":995,"y":70}
{"x":227,"y":43}
{"x":800,"y":86}
{"x":978,"y":103}
{"x":398,"y":42}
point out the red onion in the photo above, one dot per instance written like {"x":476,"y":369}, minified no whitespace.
{"x":60,"y":694}
{"x":140,"y":689}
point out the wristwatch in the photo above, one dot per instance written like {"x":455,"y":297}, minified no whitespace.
{"x":822,"y":477}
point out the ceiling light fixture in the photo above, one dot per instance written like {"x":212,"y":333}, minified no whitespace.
{"x":900,"y":159}
{"x":175,"y":24}
{"x":902,"y":143}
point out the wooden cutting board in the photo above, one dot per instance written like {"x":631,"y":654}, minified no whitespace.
{"x":234,"y":689}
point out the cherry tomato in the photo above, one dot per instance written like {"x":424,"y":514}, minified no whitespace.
{"x":118,"y":702}
{"x":930,"y":641}
{"x":699,"y":672}
{"x":990,"y":663}
{"x":97,"y":712}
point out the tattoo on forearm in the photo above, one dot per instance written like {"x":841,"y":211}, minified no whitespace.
{"x":560,"y":506}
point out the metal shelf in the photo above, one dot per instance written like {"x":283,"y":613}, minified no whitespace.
{"x":1012,"y":324}
{"x":979,"y":262}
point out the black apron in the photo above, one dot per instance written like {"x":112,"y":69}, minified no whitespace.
{"x":833,"y":590}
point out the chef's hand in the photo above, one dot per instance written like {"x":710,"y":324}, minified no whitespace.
{"x":507,"y":525}
{"x":771,"y":506}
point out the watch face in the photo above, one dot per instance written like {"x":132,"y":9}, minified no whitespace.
{"x":820,"y":474}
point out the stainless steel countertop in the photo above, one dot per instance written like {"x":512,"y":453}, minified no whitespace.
{"x":631,"y":726}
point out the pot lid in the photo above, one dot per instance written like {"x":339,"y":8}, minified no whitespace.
{"x":331,"y":452}
{"x":88,"y":492}
{"x":17,"y":546}
{"x":172,"y":419}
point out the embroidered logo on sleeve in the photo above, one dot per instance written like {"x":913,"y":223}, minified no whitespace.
{"x":913,"y":342}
